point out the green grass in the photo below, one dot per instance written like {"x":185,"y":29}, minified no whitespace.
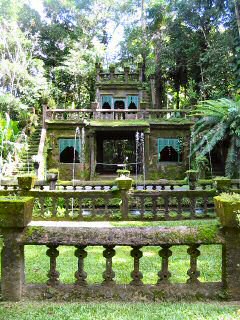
{"x":209,"y":264}
{"x":117,"y":311}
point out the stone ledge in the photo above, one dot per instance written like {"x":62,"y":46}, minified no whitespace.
{"x":117,"y":292}
{"x":74,"y":233}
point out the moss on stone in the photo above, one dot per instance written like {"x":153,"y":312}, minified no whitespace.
{"x":119,"y":123}
{"x":15,"y":212}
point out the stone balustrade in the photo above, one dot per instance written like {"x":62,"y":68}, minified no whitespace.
{"x":102,"y":205}
{"x":19,"y":233}
{"x":80,"y":115}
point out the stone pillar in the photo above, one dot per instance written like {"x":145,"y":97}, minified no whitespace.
{"x":231,"y":263}
{"x":44,"y":109}
{"x":12,"y":266}
{"x":140,"y":65}
{"x":126,"y":73}
{"x":146,"y":150}
{"x":153,"y":91}
{"x":92,"y":155}
{"x":124,"y":204}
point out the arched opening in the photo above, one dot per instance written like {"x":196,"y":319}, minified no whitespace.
{"x":67,"y":155}
{"x":106,"y":105}
{"x":132,"y":105}
{"x":169,"y":154}
{"x":119,"y":104}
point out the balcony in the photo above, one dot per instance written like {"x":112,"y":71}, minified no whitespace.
{"x":79,"y":115}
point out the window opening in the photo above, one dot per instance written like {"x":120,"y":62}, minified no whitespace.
{"x":170,"y":149}
{"x":69,"y":150}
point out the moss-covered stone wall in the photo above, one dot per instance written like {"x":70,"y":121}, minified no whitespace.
{"x":60,"y":131}
{"x":168,"y":170}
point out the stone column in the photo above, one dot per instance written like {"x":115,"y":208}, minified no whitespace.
{"x":92,"y":155}
{"x":44,"y":109}
{"x":146,"y":150}
{"x":231,"y":263}
{"x":124,"y":204}
{"x":12,"y":266}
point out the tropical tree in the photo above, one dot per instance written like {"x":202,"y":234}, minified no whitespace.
{"x":219,"y":120}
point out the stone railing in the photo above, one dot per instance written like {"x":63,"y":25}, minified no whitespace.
{"x":14,"y":287}
{"x":118,"y":77}
{"x":68,"y":114}
{"x":18,"y":231}
{"x":122,"y":205}
{"x":108,"y":114}
{"x":161,"y":184}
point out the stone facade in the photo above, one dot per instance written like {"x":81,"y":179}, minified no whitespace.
{"x":122,"y":123}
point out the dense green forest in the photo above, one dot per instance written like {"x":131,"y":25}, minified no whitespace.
{"x":190,"y":48}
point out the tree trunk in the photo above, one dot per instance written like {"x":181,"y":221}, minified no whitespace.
{"x":237,"y":12}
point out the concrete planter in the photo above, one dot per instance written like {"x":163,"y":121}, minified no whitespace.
{"x":124,"y":183}
{"x":222,"y":184}
{"x":15,"y":212}
{"x":192,"y":176}
{"x":227,"y":211}
{"x":26,"y":182}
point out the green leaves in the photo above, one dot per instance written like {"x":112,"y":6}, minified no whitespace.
{"x":220,"y":120}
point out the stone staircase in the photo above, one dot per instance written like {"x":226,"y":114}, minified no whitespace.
{"x":147,"y":99}
{"x":26,"y":163}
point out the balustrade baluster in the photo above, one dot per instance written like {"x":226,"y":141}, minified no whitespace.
{"x":179,"y":208}
{"x":193,"y":273}
{"x":80,"y":210}
{"x":80,"y":274}
{"x":41,"y":203}
{"x":136,"y":274}
{"x":93,"y":205}
{"x":109,"y":274}
{"x":192,"y":206}
{"x":106,"y":209}
{"x":53,"y":274}
{"x":154,"y":206}
{"x":164,"y":274}
{"x":66,"y":201}
{"x":166,"y":207}
{"x":205,"y":205}
{"x":54,"y":206}
{"x":142,"y":208}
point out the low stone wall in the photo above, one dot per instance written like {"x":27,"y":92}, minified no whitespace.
{"x":73,"y":234}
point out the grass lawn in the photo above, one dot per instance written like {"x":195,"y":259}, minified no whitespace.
{"x":117,"y":311}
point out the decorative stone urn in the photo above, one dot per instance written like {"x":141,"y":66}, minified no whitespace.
{"x":15,"y":211}
{"x":227,"y":207}
{"x":123,"y":181}
{"x":26,"y":182}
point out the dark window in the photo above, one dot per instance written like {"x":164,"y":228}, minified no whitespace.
{"x":169,"y":149}
{"x":119,"y":104}
{"x":69,"y":150}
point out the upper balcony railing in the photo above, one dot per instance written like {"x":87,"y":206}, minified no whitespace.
{"x":112,"y":75}
{"x":118,"y":77}
{"x":80,"y":115}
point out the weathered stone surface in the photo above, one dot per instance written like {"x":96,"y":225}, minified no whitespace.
{"x":12,"y":266}
{"x":15,"y":212}
{"x":231,"y":263}
{"x":124,"y":292}
{"x":137,"y":236}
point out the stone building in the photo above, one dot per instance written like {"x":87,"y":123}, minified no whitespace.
{"x":122,"y":128}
